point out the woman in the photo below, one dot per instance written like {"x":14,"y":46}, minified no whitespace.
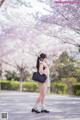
{"x":42,"y":68}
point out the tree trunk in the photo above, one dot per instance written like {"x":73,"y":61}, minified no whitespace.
{"x":21,"y":85}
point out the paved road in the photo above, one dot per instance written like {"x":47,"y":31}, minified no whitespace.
{"x":18,"y":105}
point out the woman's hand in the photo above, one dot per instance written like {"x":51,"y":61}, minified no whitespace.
{"x":43,"y":71}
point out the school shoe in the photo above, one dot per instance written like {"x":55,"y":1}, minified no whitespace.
{"x":35,"y":110}
{"x":45,"y":111}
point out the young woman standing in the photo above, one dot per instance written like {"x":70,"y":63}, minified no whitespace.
{"x":43,"y":68}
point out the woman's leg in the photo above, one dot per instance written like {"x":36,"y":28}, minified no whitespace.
{"x":41,"y":97}
{"x":38,"y":101}
{"x":43,"y":94}
{"x":35,"y":108}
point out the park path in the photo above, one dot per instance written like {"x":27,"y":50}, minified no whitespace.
{"x":18,"y":106}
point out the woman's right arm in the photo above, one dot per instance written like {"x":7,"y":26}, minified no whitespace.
{"x":41,"y":69}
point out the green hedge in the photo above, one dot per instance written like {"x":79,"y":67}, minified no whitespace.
{"x":59,"y":88}
{"x":30,"y":86}
{"x":76,"y":89}
{"x":9,"y":85}
{"x":15,"y":85}
{"x":56,"y":87}
{"x":5,"y":85}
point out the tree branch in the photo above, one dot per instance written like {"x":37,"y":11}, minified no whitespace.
{"x":1,"y":2}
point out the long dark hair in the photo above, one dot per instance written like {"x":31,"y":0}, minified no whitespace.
{"x":40,"y":58}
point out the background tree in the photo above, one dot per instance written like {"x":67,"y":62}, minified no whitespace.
{"x":12,"y":75}
{"x":64,"y":67}
{"x":23,"y":73}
